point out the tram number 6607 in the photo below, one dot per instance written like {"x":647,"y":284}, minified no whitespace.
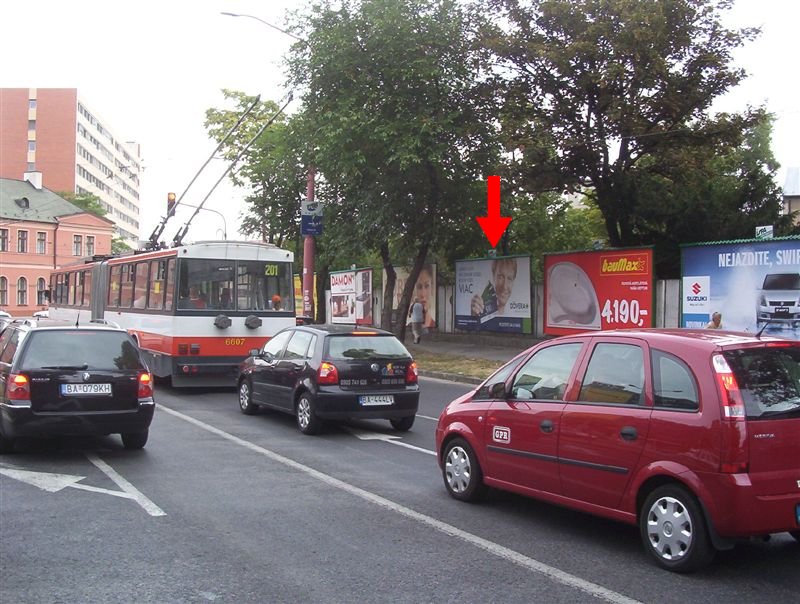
{"x":234,"y":341}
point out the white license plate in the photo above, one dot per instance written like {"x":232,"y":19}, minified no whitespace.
{"x":86,"y":389}
{"x":383,"y":399}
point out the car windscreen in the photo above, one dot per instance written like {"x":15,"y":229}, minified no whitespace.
{"x":769,"y":380}
{"x":80,"y":349}
{"x":782,"y":281}
{"x":365,"y":347}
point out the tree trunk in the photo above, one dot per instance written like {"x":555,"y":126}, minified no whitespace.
{"x":408,"y":291}
{"x":388,"y":292}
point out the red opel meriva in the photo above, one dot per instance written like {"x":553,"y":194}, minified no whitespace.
{"x":692,"y":435}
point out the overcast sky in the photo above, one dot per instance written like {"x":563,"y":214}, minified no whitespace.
{"x":151,"y":68}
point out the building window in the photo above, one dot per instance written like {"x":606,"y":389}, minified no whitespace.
{"x":3,"y":240}
{"x":3,"y":291}
{"x":90,"y":245}
{"x":31,"y":167}
{"x":77,"y":245}
{"x":22,"y":291}
{"x":22,"y":242}
{"x":32,"y":104}
{"x":31,"y":125}
{"x":41,"y":243}
{"x":31,"y":145}
{"x":41,"y":291}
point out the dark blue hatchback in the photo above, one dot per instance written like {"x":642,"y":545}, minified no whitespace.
{"x":332,"y":372}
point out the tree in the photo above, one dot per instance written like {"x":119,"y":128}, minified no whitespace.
{"x":398,"y":130}
{"x":595,"y":90}
{"x":91,"y":203}
{"x":273,"y":167}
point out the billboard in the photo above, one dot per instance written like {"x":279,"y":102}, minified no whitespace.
{"x":754,"y":284}
{"x":594,"y":290}
{"x":351,"y":297}
{"x":424,"y":289}
{"x":298,"y":294}
{"x":494,"y":294}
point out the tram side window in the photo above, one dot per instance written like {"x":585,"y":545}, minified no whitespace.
{"x":78,"y":278}
{"x":169,"y":292}
{"x":113,"y":286}
{"x":155,"y":300}
{"x":71,"y":283}
{"x":59,"y":295}
{"x":206,"y":284}
{"x":140,"y":285}
{"x":264,"y":286}
{"x":126,"y":286}
{"x":87,"y":288}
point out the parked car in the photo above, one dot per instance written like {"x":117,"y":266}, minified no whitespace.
{"x":5,"y":319}
{"x":332,"y":372}
{"x":693,"y":435}
{"x":57,"y":378}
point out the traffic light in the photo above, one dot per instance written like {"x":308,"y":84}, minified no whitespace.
{"x":170,"y":204}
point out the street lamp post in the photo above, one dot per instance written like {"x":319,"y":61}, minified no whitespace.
{"x":220,"y":214}
{"x":309,"y":243}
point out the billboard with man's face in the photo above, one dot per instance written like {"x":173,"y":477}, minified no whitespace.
{"x":494,"y":294}
{"x":753,"y":284}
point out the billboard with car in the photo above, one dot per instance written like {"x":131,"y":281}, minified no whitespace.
{"x":754,"y":284}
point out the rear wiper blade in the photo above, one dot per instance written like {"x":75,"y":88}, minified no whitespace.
{"x":75,"y":367}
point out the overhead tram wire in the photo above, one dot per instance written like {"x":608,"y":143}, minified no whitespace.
{"x":178,"y":239}
{"x":153,"y":243}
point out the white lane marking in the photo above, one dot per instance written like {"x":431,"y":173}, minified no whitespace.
{"x":53,"y":483}
{"x":148,"y":506}
{"x":560,"y":576}
{"x":388,"y":438}
{"x":435,"y":419}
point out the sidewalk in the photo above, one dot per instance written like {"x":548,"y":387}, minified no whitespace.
{"x":489,"y":347}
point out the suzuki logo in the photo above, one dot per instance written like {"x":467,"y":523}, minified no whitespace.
{"x":375,"y":367}
{"x":696,"y":288}
{"x":86,"y":377}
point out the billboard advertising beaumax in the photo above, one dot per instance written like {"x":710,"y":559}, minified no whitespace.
{"x":298,"y":294}
{"x":351,"y":297}
{"x":494,"y":294}
{"x":594,"y":290}
{"x":754,"y":284}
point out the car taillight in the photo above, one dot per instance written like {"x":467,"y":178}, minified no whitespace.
{"x":412,"y":373}
{"x":733,"y":426}
{"x":145,"y":385}
{"x":327,"y":374}
{"x":19,"y":387}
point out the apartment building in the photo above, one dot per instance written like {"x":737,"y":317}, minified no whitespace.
{"x":53,"y":131}
{"x":40,"y":231}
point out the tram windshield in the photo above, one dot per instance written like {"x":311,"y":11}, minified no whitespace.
{"x":244,"y":285}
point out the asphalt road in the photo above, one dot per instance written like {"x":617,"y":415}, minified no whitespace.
{"x":222,"y":507}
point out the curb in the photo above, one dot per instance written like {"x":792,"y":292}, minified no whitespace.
{"x":452,"y":377}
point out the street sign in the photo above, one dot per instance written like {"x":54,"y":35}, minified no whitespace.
{"x":764,"y":232}
{"x":311,"y":208}
{"x":311,"y":224}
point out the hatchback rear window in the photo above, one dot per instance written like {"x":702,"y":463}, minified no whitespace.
{"x":365,"y":347}
{"x":769,"y":379}
{"x":80,"y":349}
{"x":782,"y":281}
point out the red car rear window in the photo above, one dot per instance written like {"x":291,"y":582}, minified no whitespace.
{"x":769,"y":379}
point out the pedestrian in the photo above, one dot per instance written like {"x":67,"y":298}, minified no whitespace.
{"x":715,"y":322}
{"x":417,"y":314}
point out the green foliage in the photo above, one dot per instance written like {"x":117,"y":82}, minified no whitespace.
{"x":118,"y":246}
{"x":597,"y":92}
{"x":88,"y":202}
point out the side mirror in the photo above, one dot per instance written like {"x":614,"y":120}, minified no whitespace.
{"x":498,"y":391}
{"x":254,"y":352}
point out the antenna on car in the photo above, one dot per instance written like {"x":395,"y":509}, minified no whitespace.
{"x":760,"y":331}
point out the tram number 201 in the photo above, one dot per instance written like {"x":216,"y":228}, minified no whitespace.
{"x":234,"y":341}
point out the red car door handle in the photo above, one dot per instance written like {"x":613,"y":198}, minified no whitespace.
{"x":546,"y":426}
{"x":629,"y":433}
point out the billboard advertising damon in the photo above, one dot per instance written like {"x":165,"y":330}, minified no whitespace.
{"x":753,"y":284}
{"x":494,"y":294}
{"x":605,"y":289}
{"x":351,"y":297}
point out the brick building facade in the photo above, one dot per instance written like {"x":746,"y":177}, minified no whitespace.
{"x":40,"y":231}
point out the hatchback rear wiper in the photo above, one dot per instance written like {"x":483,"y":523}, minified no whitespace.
{"x":75,"y":367}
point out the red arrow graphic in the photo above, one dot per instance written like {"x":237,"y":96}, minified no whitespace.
{"x":493,"y":224}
